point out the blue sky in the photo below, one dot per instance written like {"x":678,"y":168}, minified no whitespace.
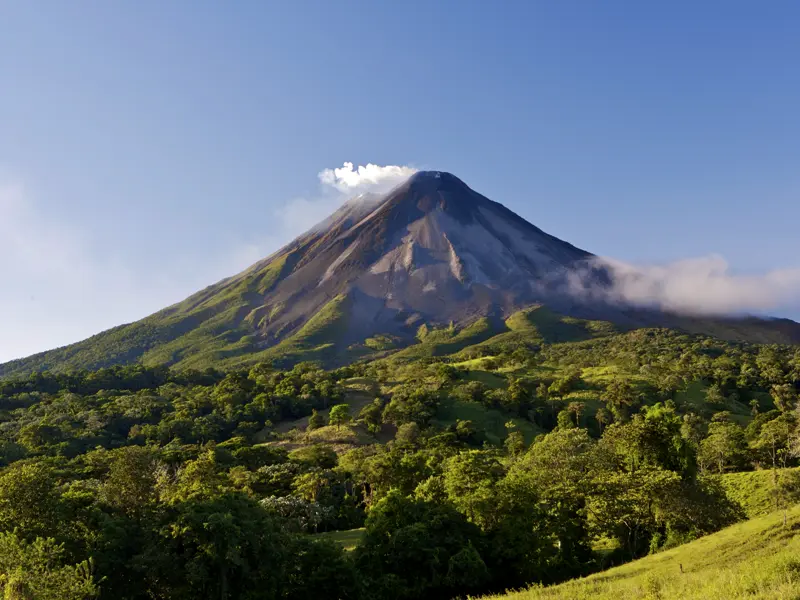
{"x":150,"y":148}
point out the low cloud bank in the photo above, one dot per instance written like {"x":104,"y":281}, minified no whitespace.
{"x":703,"y":285}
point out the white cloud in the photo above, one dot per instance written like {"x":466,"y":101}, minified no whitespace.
{"x":338,"y":185}
{"x":373,"y":178}
{"x":704,"y":285}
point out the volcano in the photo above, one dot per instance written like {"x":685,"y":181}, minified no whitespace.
{"x":431,"y":252}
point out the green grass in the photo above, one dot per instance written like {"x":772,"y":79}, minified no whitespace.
{"x":491,"y":422}
{"x":752,"y":490}
{"x":489,"y":379}
{"x":358,"y":393}
{"x":547,"y":325}
{"x":473,"y":363}
{"x":348,"y":540}
{"x":606,"y":374}
{"x":447,"y":340}
{"x":758,"y":560}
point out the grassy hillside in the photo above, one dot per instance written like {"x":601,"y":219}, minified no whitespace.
{"x":758,"y":560}
{"x":753,"y":490}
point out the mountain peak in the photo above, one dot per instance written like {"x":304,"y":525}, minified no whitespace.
{"x":435,"y":181}
{"x":435,"y":177}
{"x":430,"y":191}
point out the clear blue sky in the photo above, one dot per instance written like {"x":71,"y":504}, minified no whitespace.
{"x":147,"y":148}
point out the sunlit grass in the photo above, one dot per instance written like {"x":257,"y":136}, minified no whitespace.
{"x":752,"y":490}
{"x":758,"y":560}
{"x":348,"y":539}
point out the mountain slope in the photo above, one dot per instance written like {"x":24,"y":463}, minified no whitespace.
{"x":757,"y":559}
{"x":432,"y":251}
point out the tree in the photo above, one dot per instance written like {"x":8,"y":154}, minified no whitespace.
{"x":469,"y":480}
{"x":226,"y":547}
{"x":371,"y":414}
{"x":320,"y":456}
{"x":515,"y":440}
{"x":754,"y":406}
{"x":340,"y":415}
{"x":564,"y":420}
{"x":603,"y":418}
{"x":714,"y":395}
{"x":38,"y":571}
{"x":518,"y":395}
{"x":541,"y":391}
{"x":577,"y":409}
{"x":725,"y":446}
{"x":786,"y":489}
{"x":784,"y":396}
{"x":417,"y":549}
{"x":540,"y":530}
{"x":774,"y":439}
{"x":131,"y":482}
{"x":29,"y":500}
{"x":620,"y":398}
{"x":558,"y":465}
{"x":300,"y":514}
{"x":315,"y":421}
{"x":627,"y":506}
{"x":769,"y":364}
{"x":693,"y":429}
{"x":407,"y":434}
{"x":465,"y":431}
{"x":319,"y":569}
{"x":652,"y":438}
{"x":411,"y":403}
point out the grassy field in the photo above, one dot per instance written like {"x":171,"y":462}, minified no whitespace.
{"x":757,"y":560}
{"x":491,"y":422}
{"x":346,"y":539}
{"x":753,"y":490}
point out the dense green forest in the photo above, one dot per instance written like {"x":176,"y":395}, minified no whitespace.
{"x":492,"y":464}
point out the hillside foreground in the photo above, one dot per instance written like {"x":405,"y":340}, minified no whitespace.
{"x":758,"y":559}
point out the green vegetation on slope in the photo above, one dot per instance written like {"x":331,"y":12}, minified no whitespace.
{"x":755,"y":491}
{"x":491,"y":422}
{"x":496,"y":466}
{"x":438,"y":342}
{"x":757,"y":560}
{"x":236,"y":322}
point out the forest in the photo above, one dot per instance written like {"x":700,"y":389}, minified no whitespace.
{"x":494,"y":467}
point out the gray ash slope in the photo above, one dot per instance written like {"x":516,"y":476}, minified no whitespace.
{"x":430,"y":251}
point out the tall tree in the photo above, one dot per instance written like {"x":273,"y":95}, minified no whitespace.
{"x":340,"y":415}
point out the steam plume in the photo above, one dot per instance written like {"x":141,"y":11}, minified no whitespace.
{"x":373,"y":178}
